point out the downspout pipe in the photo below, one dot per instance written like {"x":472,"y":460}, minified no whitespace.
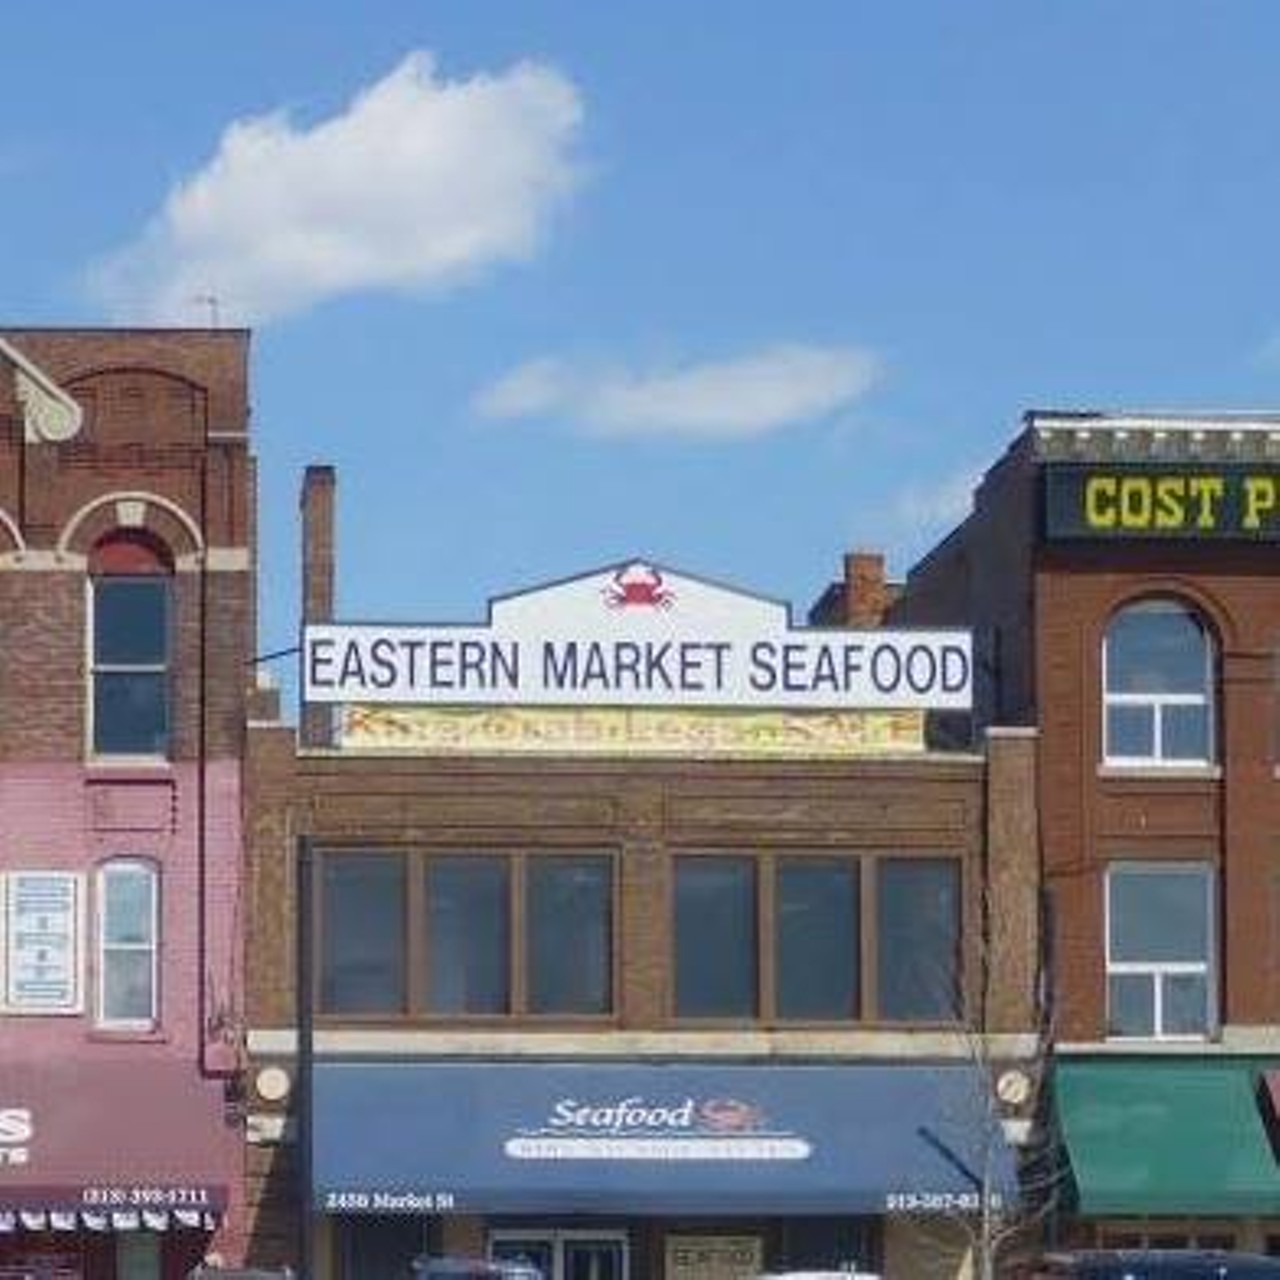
{"x":304,"y":964}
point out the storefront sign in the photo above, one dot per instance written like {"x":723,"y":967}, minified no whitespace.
{"x":636,"y":635}
{"x":635,"y":731}
{"x":646,"y":1128}
{"x":708,"y":1257}
{"x":705,"y":1138}
{"x":112,"y":1143}
{"x":41,"y":927}
{"x":1148,"y":500}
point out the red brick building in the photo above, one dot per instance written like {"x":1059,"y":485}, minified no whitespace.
{"x":545,"y":951}
{"x":1119,"y":574}
{"x":126,"y":528}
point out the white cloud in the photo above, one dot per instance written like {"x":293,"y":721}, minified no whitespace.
{"x":420,"y":184}
{"x":938,"y":503}
{"x":750,"y":395}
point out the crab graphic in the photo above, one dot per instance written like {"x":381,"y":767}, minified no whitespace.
{"x":638,"y":585}
{"x":730,"y":1115}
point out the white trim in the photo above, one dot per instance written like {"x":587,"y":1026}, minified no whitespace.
{"x":38,"y":560}
{"x":130,"y":495}
{"x":151,"y":872}
{"x":726,"y":1046}
{"x":8,"y":523}
{"x":215,"y":560}
{"x":49,"y":414}
{"x":1156,"y":701}
{"x":1153,"y":771}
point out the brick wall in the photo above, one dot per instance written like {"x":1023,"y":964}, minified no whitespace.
{"x":647,"y":811}
{"x":163,"y":448}
{"x":1046,"y":608}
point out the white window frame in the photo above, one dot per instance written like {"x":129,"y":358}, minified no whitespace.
{"x":129,"y":865}
{"x":1159,"y":970}
{"x":93,"y":669}
{"x":1159,"y":702}
{"x":557,"y":1238}
{"x":10,"y":1003}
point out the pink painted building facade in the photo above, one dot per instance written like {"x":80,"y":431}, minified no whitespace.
{"x":126,"y":630}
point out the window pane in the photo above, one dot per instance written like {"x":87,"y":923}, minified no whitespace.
{"x":816,"y":940}
{"x":130,"y":621}
{"x":1184,"y":732}
{"x":127,"y":906}
{"x":569,"y":922}
{"x":593,"y":1260}
{"x":918,"y":914}
{"x":716,"y":942}
{"x":1156,"y":649}
{"x":1131,"y":731}
{"x":362,"y":947}
{"x":1159,"y":916}
{"x":468,"y":935}
{"x":127,"y":994}
{"x":1186,"y":1004}
{"x":1131,"y":1004}
{"x":130,"y":713}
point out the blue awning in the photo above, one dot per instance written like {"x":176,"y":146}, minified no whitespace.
{"x":466,"y":1137}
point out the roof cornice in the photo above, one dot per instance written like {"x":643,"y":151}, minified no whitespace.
{"x":50,"y":415}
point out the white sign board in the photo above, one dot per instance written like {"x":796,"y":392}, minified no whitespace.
{"x":41,"y":929}
{"x":637,"y":635}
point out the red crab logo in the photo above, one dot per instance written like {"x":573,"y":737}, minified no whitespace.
{"x":730,"y":1115}
{"x":638,"y":585}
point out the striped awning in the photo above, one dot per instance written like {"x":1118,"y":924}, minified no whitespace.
{"x":104,"y":1220}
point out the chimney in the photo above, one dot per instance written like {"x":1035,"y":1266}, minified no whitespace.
{"x":319,"y":486}
{"x":867,"y":595}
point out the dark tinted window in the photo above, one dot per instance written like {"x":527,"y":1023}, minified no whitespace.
{"x":918,"y":951}
{"x":362,"y":955}
{"x":130,"y":620}
{"x":130,"y":666}
{"x":715,"y":937}
{"x":468,"y":934}
{"x":569,"y":903}
{"x":816,"y":928}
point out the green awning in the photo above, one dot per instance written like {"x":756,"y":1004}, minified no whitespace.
{"x":1168,"y":1136}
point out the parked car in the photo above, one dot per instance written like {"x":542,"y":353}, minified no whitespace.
{"x":1158,"y":1264}
{"x":454,"y":1268}
{"x":820,"y":1275}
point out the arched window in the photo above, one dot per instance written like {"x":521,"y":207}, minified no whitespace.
{"x":130,"y":602}
{"x":1158,"y":686}
{"x":128,"y":944}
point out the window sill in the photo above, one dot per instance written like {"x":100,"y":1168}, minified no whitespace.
{"x":158,"y":768}
{"x":1150,"y":771}
{"x":1157,"y":1044}
{"x":128,"y":1035}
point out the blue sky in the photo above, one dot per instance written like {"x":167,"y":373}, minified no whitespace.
{"x":734,"y":286}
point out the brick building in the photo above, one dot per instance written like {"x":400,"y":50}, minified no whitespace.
{"x":126,"y":525}
{"x":639,"y":988}
{"x":1119,"y":574}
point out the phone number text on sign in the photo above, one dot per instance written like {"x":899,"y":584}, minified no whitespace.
{"x":146,"y":1198}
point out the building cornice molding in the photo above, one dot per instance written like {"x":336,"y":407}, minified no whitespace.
{"x":50,"y":415}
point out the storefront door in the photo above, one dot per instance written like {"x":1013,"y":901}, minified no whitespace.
{"x":565,"y":1255}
